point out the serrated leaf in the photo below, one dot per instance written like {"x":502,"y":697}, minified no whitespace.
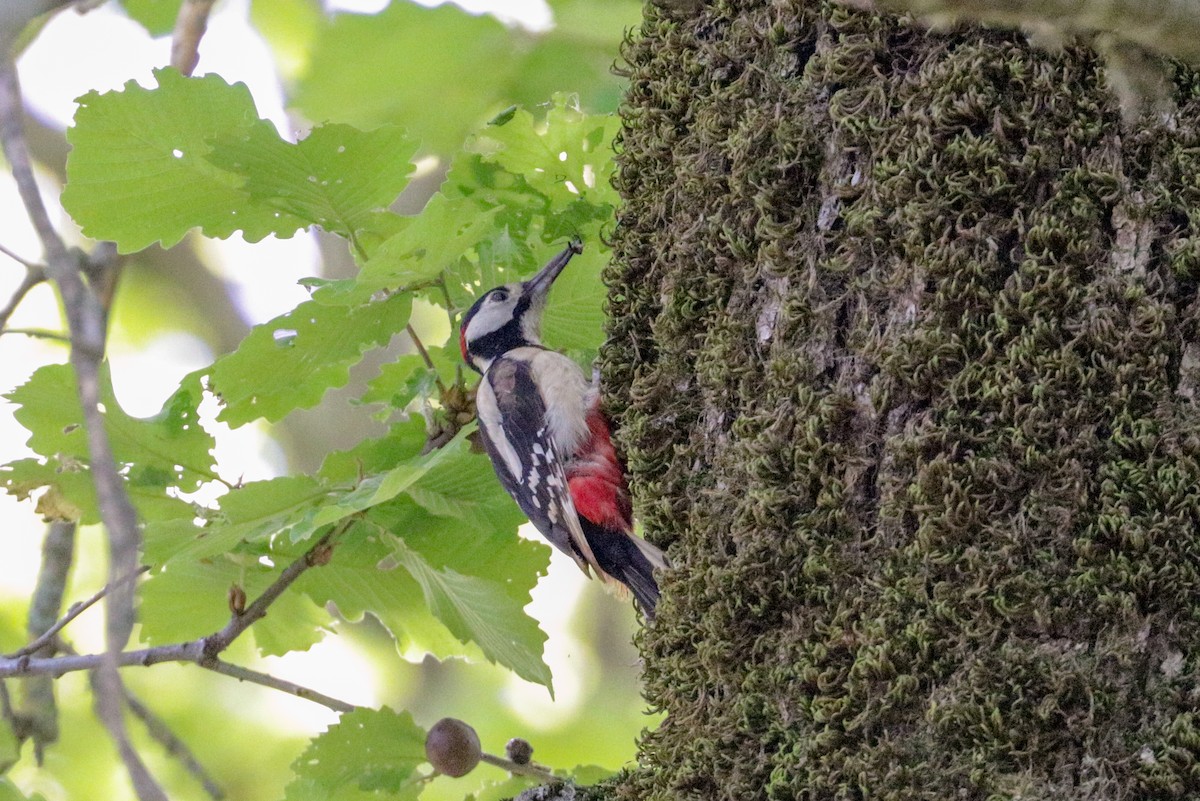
{"x":443,"y":233}
{"x":481,"y":611}
{"x":435,"y":71}
{"x":487,"y":546}
{"x":138,"y":173}
{"x":189,"y":599}
{"x":170,"y":449}
{"x":407,"y":378}
{"x":356,"y":586}
{"x":355,"y":583}
{"x":403,"y":442}
{"x":464,"y":486}
{"x":567,"y":156}
{"x":255,"y":511}
{"x":289,"y":362}
{"x":335,"y":177}
{"x":382,"y":487}
{"x":371,"y":750}
{"x":70,"y":493}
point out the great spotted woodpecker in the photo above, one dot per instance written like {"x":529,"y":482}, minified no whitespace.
{"x":542,"y":425}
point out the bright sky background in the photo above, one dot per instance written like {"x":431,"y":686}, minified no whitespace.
{"x":145,"y":376}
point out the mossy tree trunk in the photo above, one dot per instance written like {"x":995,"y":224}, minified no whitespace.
{"x":905,"y":353}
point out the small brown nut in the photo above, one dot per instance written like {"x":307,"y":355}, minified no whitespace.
{"x":452,"y":747}
{"x":519,"y":750}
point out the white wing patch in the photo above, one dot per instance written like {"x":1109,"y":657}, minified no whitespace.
{"x":489,"y":416}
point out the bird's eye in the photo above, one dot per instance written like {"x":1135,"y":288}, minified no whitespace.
{"x":498,"y":295}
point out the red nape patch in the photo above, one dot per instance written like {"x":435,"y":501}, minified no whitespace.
{"x":462,"y":345}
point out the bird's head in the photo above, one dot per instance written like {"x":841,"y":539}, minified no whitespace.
{"x":510,"y":316}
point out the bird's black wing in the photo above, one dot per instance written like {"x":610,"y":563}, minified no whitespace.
{"x":526,"y":462}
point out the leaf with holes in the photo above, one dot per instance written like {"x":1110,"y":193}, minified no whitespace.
{"x":289,"y":362}
{"x":138,"y":173}
{"x":336,"y":177}
{"x":170,"y":449}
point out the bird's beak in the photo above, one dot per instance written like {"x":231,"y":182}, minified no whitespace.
{"x":539,"y":285}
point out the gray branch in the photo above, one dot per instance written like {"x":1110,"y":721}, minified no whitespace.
{"x":37,"y":707}
{"x":86,"y":319}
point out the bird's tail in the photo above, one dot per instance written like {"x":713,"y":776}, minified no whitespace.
{"x":630,"y":560}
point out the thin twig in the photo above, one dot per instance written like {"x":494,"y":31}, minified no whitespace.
{"x":160,"y":731}
{"x":253,"y":676}
{"x":440,"y":282}
{"x":190,"y":26}
{"x":37,"y":333}
{"x":34,"y":275}
{"x":75,"y":611}
{"x":537,"y":771}
{"x":203,"y":651}
{"x":28,"y":265}
{"x":86,"y":321}
{"x":217,"y":642}
{"x":416,"y":340}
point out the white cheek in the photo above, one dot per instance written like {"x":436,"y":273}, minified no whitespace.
{"x":488,"y":319}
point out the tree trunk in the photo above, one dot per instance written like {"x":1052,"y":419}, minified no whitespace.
{"x":905,"y":354}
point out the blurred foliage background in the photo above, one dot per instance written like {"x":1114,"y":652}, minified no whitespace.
{"x":439,"y":73}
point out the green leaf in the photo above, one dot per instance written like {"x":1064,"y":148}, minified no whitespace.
{"x":156,"y":16}
{"x":439,"y":237}
{"x":402,"y":381}
{"x":138,"y":173}
{"x":372,"y":750}
{"x":189,"y":599}
{"x":334,"y":178}
{"x":289,"y":362}
{"x":360,"y":580}
{"x":567,"y":156}
{"x":170,"y":449}
{"x":435,"y":71}
{"x":480,"y":611}
{"x":356,"y":586}
{"x":258,"y":510}
{"x":403,"y":442}
{"x":382,"y":487}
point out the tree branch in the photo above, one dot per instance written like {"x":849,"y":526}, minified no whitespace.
{"x":37,"y":333}
{"x":253,"y":676}
{"x":75,"y":611}
{"x":203,"y":651}
{"x":86,"y":320}
{"x":160,"y":731}
{"x":37,"y":708}
{"x":416,"y":340}
{"x":34,"y":275}
{"x":190,"y":26}
{"x":215,"y":643}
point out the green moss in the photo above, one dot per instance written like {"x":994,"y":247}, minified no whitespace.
{"x":903,"y":352}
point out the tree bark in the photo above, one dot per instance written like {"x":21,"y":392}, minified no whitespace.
{"x":905,"y":352}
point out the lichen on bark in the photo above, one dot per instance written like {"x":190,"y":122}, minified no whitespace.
{"x":903,"y":350}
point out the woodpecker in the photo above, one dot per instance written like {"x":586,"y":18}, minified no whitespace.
{"x":541,"y":423}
